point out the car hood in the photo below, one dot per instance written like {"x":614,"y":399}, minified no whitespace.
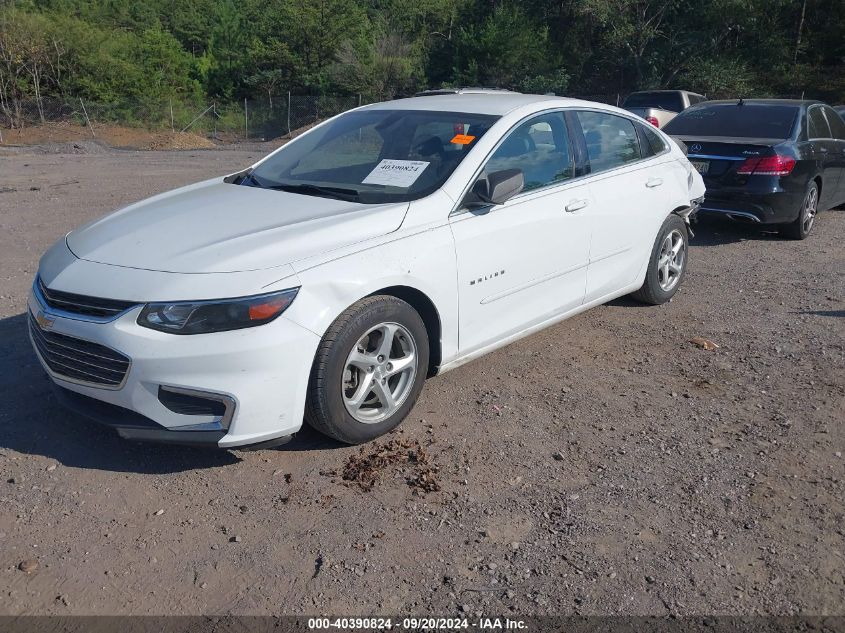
{"x":214,"y":227}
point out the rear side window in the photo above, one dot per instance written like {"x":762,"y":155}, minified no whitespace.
{"x":730,"y":119}
{"x":816,"y":124}
{"x":837,"y":125}
{"x":611,"y":140}
{"x":650,"y":142}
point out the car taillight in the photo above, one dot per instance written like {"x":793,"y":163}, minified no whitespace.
{"x":767,"y":166}
{"x":653,"y":120}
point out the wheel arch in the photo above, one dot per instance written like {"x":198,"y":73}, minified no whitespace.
{"x":682,"y":210}
{"x":425,"y":307}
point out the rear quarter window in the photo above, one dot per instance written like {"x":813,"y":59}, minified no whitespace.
{"x":816,"y":124}
{"x":743,"y":121}
{"x":837,"y":125}
{"x":651,"y":144}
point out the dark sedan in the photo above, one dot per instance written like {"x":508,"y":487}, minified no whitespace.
{"x":766,"y":161}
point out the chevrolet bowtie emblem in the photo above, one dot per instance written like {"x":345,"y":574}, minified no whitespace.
{"x":44,"y":321}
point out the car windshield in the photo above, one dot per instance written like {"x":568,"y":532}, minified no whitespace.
{"x":374,"y":156}
{"x":664,"y":100}
{"x":730,"y":119}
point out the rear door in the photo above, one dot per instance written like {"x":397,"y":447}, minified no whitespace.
{"x":627,"y":184}
{"x":523,"y":262}
{"x":837,"y":132}
{"x":826,"y":153}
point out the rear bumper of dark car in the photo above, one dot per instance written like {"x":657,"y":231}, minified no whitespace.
{"x":771,"y":205}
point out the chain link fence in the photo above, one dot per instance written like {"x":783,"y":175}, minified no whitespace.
{"x":140,"y":123}
{"x":265,"y":119}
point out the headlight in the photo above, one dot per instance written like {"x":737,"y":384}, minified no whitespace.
{"x":219,"y":315}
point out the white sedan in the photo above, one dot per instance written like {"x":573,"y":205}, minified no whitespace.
{"x":326,"y":282}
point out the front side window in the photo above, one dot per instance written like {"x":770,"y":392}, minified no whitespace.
{"x":611,"y":140}
{"x":540,"y":148}
{"x":374,"y":156}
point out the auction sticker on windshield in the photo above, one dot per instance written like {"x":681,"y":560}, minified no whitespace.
{"x":396,"y":173}
{"x":463,"y":139}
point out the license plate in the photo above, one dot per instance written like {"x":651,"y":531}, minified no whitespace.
{"x":701,"y":166}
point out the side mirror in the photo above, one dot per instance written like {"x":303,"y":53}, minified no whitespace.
{"x":497,"y":188}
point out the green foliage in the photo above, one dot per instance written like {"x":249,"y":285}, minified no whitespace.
{"x":555,"y":82}
{"x":194,"y":51}
{"x":719,"y":78}
{"x":504,"y":47}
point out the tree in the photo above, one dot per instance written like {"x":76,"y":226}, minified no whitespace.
{"x":382,"y":68}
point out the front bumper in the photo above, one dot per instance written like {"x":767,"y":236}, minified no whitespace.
{"x":260,"y":374}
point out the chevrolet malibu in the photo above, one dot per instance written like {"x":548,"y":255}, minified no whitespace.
{"x":327,"y":281}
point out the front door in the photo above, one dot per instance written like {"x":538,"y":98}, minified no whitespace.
{"x":525,"y":261}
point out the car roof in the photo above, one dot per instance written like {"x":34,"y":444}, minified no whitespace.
{"x":493,"y":103}
{"x":651,"y":92}
{"x":762,"y":102}
{"x":463,"y":91}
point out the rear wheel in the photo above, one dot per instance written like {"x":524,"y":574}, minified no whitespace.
{"x":667,"y":264}
{"x":803,"y":224}
{"x":369,"y":370}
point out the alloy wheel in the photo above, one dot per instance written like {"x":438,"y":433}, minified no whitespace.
{"x":670,"y":263}
{"x":379,"y":373}
{"x":808,"y":212}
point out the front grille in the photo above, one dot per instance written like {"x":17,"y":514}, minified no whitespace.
{"x":81,"y":304}
{"x":79,"y":360}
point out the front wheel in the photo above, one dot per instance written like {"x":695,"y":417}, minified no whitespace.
{"x":369,"y":370}
{"x":667,"y":264}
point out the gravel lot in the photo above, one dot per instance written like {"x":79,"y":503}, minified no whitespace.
{"x":603,"y":466}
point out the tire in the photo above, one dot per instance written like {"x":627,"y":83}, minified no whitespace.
{"x":349,"y":395}
{"x":663,"y":278}
{"x":800,"y":228}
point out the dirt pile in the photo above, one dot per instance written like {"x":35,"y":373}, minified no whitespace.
{"x":366,"y":468}
{"x":179,"y":140}
{"x":67,"y":136}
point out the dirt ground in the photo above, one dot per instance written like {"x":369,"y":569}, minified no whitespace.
{"x":603,"y":466}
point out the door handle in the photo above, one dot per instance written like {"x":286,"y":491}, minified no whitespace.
{"x":575,"y":205}
{"x":651,"y":183}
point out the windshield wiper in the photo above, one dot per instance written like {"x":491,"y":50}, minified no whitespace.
{"x":339,"y":193}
